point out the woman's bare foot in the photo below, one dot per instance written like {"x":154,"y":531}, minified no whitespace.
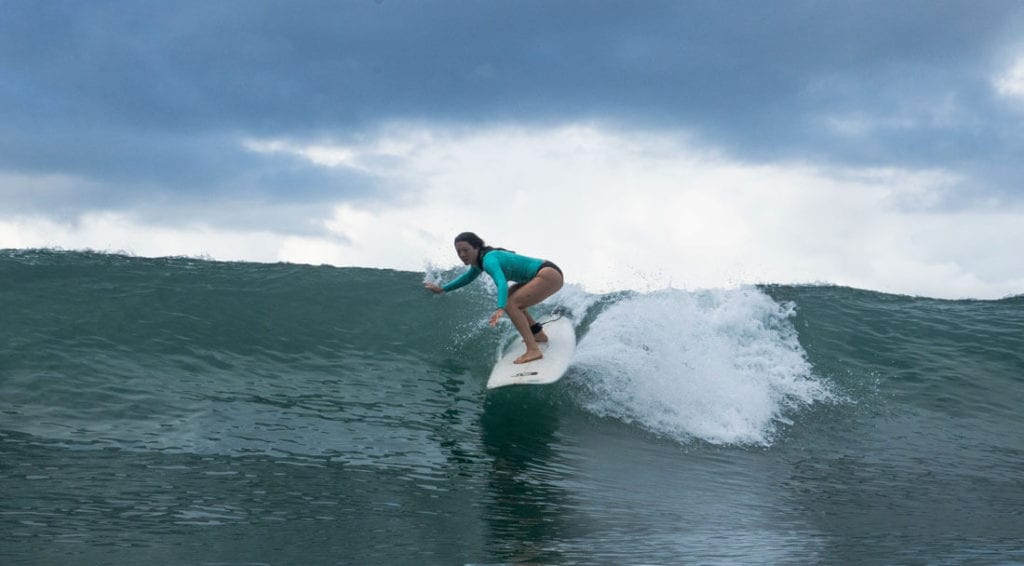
{"x":540,"y":336}
{"x":529,"y":356}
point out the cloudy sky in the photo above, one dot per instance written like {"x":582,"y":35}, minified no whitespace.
{"x":637,"y":144}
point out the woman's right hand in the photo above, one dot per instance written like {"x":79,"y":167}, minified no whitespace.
{"x":434,"y":288}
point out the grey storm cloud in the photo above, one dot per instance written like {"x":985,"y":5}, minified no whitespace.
{"x":160,"y":93}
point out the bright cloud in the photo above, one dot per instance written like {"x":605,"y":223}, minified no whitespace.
{"x":328,"y":156}
{"x":616,"y":210}
{"x":1010,"y":83}
{"x":122,"y":233}
{"x":635,"y":210}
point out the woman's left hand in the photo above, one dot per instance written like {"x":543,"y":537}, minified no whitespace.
{"x":496,"y":317}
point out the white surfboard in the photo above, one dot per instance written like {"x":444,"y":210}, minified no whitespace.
{"x":558,"y":351}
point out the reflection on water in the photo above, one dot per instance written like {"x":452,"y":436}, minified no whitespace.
{"x":526,"y":507}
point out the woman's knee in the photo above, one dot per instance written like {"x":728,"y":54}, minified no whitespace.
{"x":515,"y":304}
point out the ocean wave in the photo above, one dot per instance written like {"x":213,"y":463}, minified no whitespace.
{"x":722,"y":366}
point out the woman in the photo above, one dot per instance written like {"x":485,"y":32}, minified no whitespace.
{"x":537,"y":280}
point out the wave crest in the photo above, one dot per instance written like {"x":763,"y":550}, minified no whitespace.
{"x":722,"y":366}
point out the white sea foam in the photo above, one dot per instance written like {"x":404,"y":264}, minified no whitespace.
{"x":723,"y":366}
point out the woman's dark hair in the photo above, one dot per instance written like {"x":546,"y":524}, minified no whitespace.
{"x":471,"y":239}
{"x":478,"y":243}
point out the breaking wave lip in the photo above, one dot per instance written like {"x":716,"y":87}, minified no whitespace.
{"x":722,"y":366}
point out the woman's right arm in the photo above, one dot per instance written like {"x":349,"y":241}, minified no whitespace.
{"x":462,"y":280}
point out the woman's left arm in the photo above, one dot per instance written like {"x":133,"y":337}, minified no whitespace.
{"x":493,"y":268}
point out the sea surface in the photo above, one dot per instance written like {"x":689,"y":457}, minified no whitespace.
{"x":186,"y":411}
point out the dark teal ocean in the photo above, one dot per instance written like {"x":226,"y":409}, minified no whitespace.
{"x":183,"y":411}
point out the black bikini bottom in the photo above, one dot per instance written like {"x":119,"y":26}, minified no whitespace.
{"x":551,"y":265}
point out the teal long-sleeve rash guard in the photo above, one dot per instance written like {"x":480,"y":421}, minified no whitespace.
{"x":503,"y":266}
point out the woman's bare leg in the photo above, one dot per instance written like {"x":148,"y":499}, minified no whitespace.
{"x":547,"y":282}
{"x":539,"y":336}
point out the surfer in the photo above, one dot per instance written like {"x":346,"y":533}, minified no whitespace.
{"x":536,"y":280}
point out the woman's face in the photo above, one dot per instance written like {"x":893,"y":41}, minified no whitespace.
{"x":466,"y":252}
